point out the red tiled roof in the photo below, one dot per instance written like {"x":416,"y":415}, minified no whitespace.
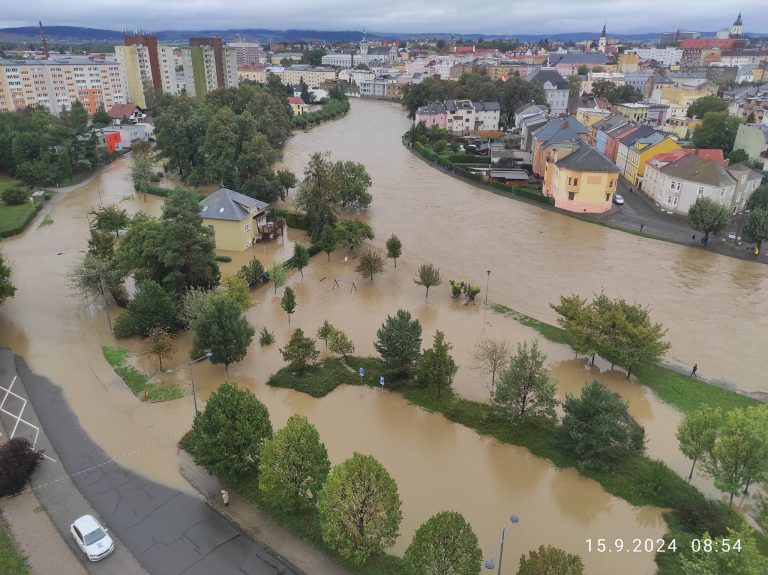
{"x":295,"y":100}
{"x":711,"y":154}
{"x":120,"y":111}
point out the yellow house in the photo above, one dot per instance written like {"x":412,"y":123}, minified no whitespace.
{"x":236,"y":220}
{"x":298,"y":107}
{"x":579,"y":178}
{"x":642,"y":151}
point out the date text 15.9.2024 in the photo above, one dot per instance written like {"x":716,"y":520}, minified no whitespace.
{"x":638,"y":545}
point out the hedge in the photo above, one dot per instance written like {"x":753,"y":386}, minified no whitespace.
{"x":295,"y":220}
{"x":469,"y":159}
{"x":163,"y":192}
{"x":24,"y":223}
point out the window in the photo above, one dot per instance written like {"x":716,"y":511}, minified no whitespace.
{"x":611,"y":183}
{"x":571,"y":195}
{"x":672,"y":185}
{"x":701,"y":191}
{"x":247,"y":228}
{"x":575,"y":181}
{"x":607,"y":197}
{"x":722,"y":193}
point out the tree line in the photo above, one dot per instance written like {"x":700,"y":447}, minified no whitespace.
{"x":43,"y":150}
{"x":355,"y":505}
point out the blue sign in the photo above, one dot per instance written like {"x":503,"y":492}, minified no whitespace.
{"x":381,"y":380}
{"x":362,"y":372}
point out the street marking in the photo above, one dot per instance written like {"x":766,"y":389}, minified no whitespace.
{"x":18,"y":418}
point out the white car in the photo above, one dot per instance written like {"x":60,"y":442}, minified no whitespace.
{"x":92,"y":538}
{"x":618,"y":199}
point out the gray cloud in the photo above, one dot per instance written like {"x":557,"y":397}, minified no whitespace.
{"x":459,"y":16}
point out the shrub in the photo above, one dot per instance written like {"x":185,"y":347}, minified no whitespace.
{"x":266,"y":337}
{"x":456,"y":288}
{"x":124,"y":327}
{"x":253,"y":272}
{"x":699,"y":515}
{"x":15,"y":196}
{"x":18,"y":461}
{"x":223,"y":259}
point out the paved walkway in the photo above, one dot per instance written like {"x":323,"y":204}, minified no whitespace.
{"x":168,"y":532}
{"x":260,"y":525}
{"x":59,"y":500}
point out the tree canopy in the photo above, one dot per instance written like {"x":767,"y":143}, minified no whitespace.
{"x":549,"y":560}
{"x":223,"y":330}
{"x":702,"y":106}
{"x":436,"y":366}
{"x":398,"y":341}
{"x":7,"y":289}
{"x":445,"y":543}
{"x":756,"y":226}
{"x":708,"y":216}
{"x":718,"y":130}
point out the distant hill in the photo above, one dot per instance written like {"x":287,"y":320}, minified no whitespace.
{"x":74,"y":34}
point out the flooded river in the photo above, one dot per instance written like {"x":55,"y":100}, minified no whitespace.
{"x":534,"y":256}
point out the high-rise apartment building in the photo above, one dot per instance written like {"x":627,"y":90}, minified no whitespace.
{"x":218,"y":55}
{"x":247,"y":53}
{"x":55,"y":84}
{"x":204,"y":71}
{"x":149,"y":43}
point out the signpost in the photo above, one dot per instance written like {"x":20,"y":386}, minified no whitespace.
{"x":381,"y":381}
{"x":362,"y":373}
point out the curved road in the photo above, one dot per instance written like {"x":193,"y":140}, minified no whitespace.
{"x":169,"y":532}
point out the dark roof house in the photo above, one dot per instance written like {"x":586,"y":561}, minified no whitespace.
{"x":226,"y":204}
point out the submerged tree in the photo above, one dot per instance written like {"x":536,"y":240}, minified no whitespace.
{"x":492,"y":356}
{"x":288,"y":302}
{"x":394,"y":248}
{"x":428,"y":276}
{"x":436,"y":366}
{"x":398,"y":341}
{"x":370,"y":264}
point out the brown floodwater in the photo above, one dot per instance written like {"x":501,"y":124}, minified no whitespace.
{"x":533,"y":255}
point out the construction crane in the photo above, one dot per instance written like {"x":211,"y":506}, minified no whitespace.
{"x":44,"y":39}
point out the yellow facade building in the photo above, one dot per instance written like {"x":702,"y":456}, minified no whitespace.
{"x":640,"y":152}
{"x":579,"y":178}
{"x":237,"y":221}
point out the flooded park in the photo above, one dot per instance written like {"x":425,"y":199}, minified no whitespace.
{"x":712,"y":306}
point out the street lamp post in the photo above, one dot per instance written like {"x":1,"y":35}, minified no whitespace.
{"x":500,"y":549}
{"x":191,"y":373}
{"x":487,"y":281}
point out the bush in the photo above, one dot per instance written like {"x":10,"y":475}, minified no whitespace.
{"x":15,"y":196}
{"x":266,"y":337}
{"x":700,"y":515}
{"x":253,"y":272}
{"x":224,"y":259}
{"x":297,"y":221}
{"x":469,"y":159}
{"x":18,"y":461}
{"x":314,"y":249}
{"x":124,"y":327}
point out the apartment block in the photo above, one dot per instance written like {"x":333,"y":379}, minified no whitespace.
{"x":55,"y":84}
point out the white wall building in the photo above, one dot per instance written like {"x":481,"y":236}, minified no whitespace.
{"x":665,"y":56}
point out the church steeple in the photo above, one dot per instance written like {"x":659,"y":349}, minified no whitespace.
{"x":602,"y":44}
{"x":736,"y":28}
{"x":738,"y":20}
{"x":602,"y":35}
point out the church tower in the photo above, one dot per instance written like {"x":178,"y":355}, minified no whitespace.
{"x":364,"y":45}
{"x":736,"y":28}
{"x":602,"y":44}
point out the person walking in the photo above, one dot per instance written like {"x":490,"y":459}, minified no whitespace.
{"x":641,"y":227}
{"x":693,"y":371}
{"x":225,"y":497}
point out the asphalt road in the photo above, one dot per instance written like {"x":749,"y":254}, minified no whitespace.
{"x":169,"y":532}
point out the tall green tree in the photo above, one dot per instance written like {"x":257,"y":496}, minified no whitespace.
{"x":436,"y":366}
{"x":708,"y":216}
{"x":101,"y":119}
{"x":697,"y":433}
{"x":370,"y":264}
{"x":756,"y":227}
{"x":186,"y":247}
{"x":300,"y":351}
{"x":294,"y":465}
{"x":398,"y":341}
{"x":94,"y":276}
{"x":180,"y":132}
{"x":444,"y":544}
{"x":227,"y":436}
{"x":550,"y":561}
{"x":325,"y":331}
{"x":223,"y":330}
{"x":7,"y":289}
{"x":624,"y":94}
{"x":236,"y":288}
{"x":581,"y":324}
{"x":428,"y":276}
{"x":748,"y":560}
{"x":701,"y":106}
{"x":740,"y":453}
{"x":602,"y":88}
{"x":327,"y":240}
{"x":139,"y":251}
{"x":340,"y":344}
{"x":288,"y":302}
{"x":287,"y":181}
{"x":359,"y":509}
{"x":738,"y":156}
{"x":150,"y":308}
{"x":18,"y":460}
{"x":394,"y":248}
{"x":300,"y":258}
{"x":598,"y":429}
{"x":718,"y":130}
{"x":318,"y":194}
{"x":352,"y":233}
{"x":109,"y":218}
{"x":759,"y":198}
{"x":525,"y":387}
{"x":354,"y":183}
{"x":277,"y":275}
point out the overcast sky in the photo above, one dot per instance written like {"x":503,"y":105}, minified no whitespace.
{"x":458,"y":16}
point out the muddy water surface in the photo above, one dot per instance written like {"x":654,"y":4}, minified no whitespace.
{"x":437,"y":464}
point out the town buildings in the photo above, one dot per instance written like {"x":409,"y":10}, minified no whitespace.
{"x":460,"y":117}
{"x":638,"y":146}
{"x":208,"y":65}
{"x":364,"y":55}
{"x":556,"y":131}
{"x":55,"y":84}
{"x":555,"y":87}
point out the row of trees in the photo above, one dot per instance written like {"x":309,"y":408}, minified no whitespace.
{"x":711,"y":217}
{"x":357,"y":501}
{"x":230,"y":138}
{"x":510,"y":94}
{"x":7,"y":289}
{"x":44,"y":150}
{"x":620,"y":332}
{"x":730,"y":447}
{"x":616,"y":94}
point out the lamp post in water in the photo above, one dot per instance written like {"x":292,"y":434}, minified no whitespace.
{"x":191,"y":374}
{"x":487,"y":281}
{"x":500,"y":549}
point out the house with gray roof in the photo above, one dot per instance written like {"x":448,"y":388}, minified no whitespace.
{"x":237,"y":220}
{"x":556,"y":89}
{"x":556,"y":131}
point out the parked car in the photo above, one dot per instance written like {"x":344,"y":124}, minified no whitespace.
{"x":92,"y":538}
{"x":618,"y":199}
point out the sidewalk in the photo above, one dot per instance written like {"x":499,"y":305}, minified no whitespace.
{"x":258,"y":524}
{"x":52,"y":504}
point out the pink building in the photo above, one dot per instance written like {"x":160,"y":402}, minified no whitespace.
{"x":433,"y":114}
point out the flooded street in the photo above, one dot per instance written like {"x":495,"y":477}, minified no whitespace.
{"x":534,"y":256}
